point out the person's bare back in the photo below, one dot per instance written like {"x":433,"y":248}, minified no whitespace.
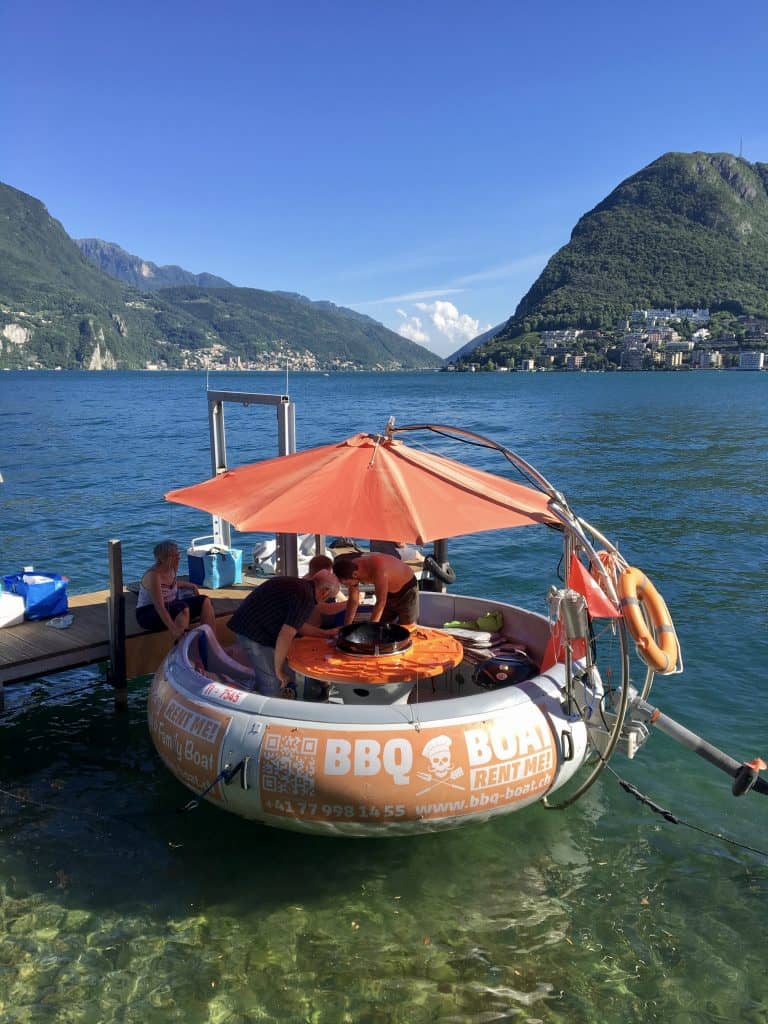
{"x":390,"y":578}
{"x":391,"y":573}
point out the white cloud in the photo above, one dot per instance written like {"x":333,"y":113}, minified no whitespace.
{"x":455,"y":326}
{"x":412,"y":329}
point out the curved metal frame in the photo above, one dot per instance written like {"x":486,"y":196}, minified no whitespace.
{"x":576,"y":530}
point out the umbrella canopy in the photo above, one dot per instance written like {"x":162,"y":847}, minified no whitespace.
{"x":366,"y":486}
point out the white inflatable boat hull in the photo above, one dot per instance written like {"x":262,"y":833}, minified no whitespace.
{"x":364,"y":770}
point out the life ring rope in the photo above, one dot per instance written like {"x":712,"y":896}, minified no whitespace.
{"x":649,"y":623}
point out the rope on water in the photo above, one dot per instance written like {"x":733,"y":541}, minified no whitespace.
{"x":673,"y":819}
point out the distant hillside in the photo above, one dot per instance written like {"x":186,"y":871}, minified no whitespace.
{"x":330,"y":306}
{"x":143,"y":274}
{"x":470,"y":346}
{"x":58,"y":310}
{"x":251,"y":320}
{"x":691,"y":229}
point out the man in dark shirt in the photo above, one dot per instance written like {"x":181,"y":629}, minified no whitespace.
{"x":271,"y":616}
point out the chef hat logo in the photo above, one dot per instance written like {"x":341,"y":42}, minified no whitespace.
{"x":438,"y":753}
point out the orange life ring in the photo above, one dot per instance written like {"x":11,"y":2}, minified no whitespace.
{"x":658,"y":649}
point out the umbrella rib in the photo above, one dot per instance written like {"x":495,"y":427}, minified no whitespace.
{"x":374,"y":453}
{"x":396,"y":472}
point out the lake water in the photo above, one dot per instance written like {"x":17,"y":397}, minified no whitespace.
{"x":116,"y":908}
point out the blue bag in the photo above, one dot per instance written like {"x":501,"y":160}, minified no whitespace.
{"x":44,"y":593}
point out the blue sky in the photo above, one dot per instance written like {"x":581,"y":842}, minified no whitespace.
{"x":418,"y":162}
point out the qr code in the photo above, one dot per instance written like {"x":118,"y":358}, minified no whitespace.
{"x":288,"y":763}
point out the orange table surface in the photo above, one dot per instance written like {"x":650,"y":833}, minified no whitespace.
{"x":431,"y":653}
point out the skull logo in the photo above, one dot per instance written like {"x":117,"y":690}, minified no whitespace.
{"x":438,"y":753}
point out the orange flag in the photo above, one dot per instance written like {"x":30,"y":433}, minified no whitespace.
{"x":599,"y":604}
{"x":555,"y":650}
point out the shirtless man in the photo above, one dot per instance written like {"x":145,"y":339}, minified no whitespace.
{"x":397,"y":593}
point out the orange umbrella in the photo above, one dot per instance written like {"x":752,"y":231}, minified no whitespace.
{"x":366,"y":486}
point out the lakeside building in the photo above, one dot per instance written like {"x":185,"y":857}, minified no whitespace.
{"x":751,"y":361}
{"x":632,"y":357}
{"x":557,"y":339}
{"x":680,"y":345}
{"x":706,"y":359}
{"x":658,"y":317}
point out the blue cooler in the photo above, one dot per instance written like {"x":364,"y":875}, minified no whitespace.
{"x":211,"y":566}
{"x":44,"y":593}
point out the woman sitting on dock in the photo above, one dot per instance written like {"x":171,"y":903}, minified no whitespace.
{"x":164,"y":601}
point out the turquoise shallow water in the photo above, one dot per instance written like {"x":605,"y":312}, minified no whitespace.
{"x":114,"y":907}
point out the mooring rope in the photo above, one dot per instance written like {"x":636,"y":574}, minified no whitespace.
{"x":674,"y":819}
{"x":628,"y":787}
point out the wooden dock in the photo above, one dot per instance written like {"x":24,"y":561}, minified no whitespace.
{"x":33,"y":649}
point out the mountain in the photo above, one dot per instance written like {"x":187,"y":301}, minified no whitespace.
{"x":470,"y":346}
{"x":143,"y":274}
{"x":59,"y":310}
{"x":690,"y":229}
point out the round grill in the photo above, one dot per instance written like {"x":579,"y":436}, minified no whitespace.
{"x":373,"y":638}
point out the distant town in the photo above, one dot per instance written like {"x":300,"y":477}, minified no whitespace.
{"x":650,"y":339}
{"x":279,"y":358}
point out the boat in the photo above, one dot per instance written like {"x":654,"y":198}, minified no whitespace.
{"x":480,"y":709}
{"x":264,"y":561}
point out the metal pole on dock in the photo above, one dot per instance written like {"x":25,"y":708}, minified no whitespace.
{"x":116,"y":606}
{"x":287,"y":552}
